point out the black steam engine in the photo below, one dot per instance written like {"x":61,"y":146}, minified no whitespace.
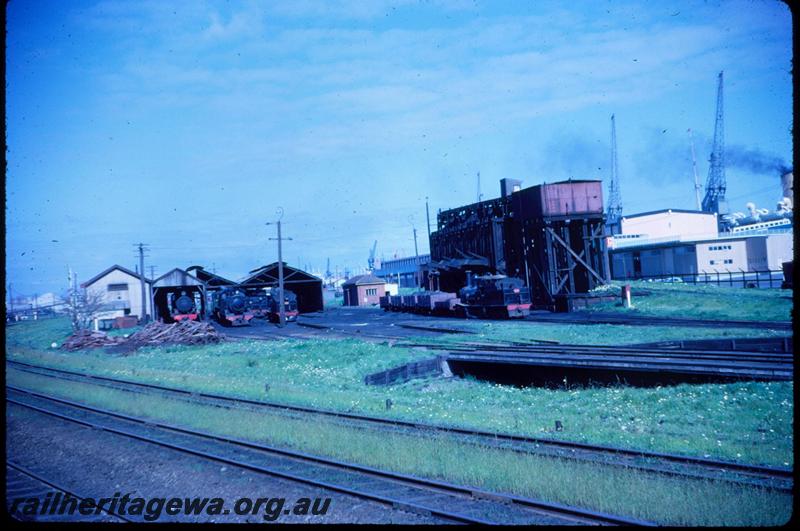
{"x":231,"y":307}
{"x":184,"y":306}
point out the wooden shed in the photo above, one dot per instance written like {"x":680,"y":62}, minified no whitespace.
{"x":173,"y":284}
{"x":307,"y":287}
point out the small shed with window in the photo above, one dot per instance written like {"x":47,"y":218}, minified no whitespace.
{"x":363,"y":290}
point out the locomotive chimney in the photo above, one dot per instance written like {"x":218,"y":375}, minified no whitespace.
{"x":787,"y":183}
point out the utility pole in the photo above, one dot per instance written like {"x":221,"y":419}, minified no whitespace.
{"x":480,"y":195}
{"x":697,"y":186}
{"x":141,"y":247}
{"x":152,"y":300}
{"x":416,"y":252}
{"x":281,"y":308}
{"x":428,"y":220}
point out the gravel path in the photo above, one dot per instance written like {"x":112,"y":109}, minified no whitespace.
{"x":99,"y":464}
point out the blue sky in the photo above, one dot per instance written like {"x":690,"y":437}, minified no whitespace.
{"x":185,"y":125}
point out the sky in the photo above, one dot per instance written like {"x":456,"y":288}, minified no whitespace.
{"x":188,"y":125}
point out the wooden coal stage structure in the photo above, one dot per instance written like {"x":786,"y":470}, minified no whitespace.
{"x":551,"y":236}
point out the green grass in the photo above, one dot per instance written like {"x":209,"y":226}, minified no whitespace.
{"x":611,"y":489}
{"x":700,"y":302}
{"x":749,"y":422}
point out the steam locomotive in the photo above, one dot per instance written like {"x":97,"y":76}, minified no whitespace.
{"x":183,"y":307}
{"x":264,"y":304}
{"x":231,"y":307}
{"x":485,"y":296}
{"x":234,"y":306}
{"x":289,"y":306}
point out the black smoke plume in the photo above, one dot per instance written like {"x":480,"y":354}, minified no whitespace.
{"x":755,"y":161}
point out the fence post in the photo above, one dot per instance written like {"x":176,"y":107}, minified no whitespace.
{"x":744,"y":280}
{"x":717,"y":271}
{"x":770,"y":277}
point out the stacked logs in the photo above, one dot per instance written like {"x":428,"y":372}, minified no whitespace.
{"x":183,"y":332}
{"x":83,"y":339}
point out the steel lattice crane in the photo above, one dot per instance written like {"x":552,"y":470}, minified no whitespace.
{"x":614,"y":212}
{"x":714,"y":200}
{"x":371,"y":259}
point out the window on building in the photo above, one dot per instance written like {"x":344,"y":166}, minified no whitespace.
{"x":372,"y":291}
{"x":728,"y":261}
{"x":712,"y":262}
{"x":117,"y":287}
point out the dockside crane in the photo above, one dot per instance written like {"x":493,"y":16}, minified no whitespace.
{"x":714,"y":200}
{"x":614,"y":212}
{"x":328,"y":274}
{"x":371,"y":259}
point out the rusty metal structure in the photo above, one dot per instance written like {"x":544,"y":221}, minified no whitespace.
{"x":550,"y":235}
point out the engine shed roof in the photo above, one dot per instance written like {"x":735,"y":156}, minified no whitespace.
{"x":176,"y":278}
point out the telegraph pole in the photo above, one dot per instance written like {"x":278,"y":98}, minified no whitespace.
{"x":428,"y":219}
{"x":416,"y":252}
{"x":281,"y":306}
{"x":142,"y":278}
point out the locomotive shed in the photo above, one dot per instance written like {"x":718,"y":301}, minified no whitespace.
{"x":176,"y":283}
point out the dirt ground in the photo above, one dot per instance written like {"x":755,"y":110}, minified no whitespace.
{"x":99,"y":464}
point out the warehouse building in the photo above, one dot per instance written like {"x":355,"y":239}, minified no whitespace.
{"x":407,"y":272}
{"x":121,"y":292}
{"x":684,"y":243}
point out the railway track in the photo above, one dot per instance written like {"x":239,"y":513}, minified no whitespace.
{"x":618,"y":351}
{"x":22,"y":483}
{"x":445,"y":501}
{"x":653,"y":462}
{"x":656,"y":321}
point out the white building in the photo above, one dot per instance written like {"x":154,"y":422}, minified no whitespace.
{"x":680,"y":255}
{"x":671,"y":224}
{"x":121,"y":290}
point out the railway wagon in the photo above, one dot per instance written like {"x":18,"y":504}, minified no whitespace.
{"x":430,"y":302}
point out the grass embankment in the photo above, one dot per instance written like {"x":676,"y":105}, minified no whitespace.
{"x":699,"y":302}
{"x":749,"y":421}
{"x":611,"y":489}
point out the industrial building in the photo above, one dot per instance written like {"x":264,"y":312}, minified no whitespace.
{"x":363,"y":290}
{"x":550,"y":235}
{"x":121,"y":291}
{"x":683,"y":242}
{"x":407,"y":272}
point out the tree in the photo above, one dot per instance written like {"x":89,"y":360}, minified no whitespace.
{"x":83,"y":306}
